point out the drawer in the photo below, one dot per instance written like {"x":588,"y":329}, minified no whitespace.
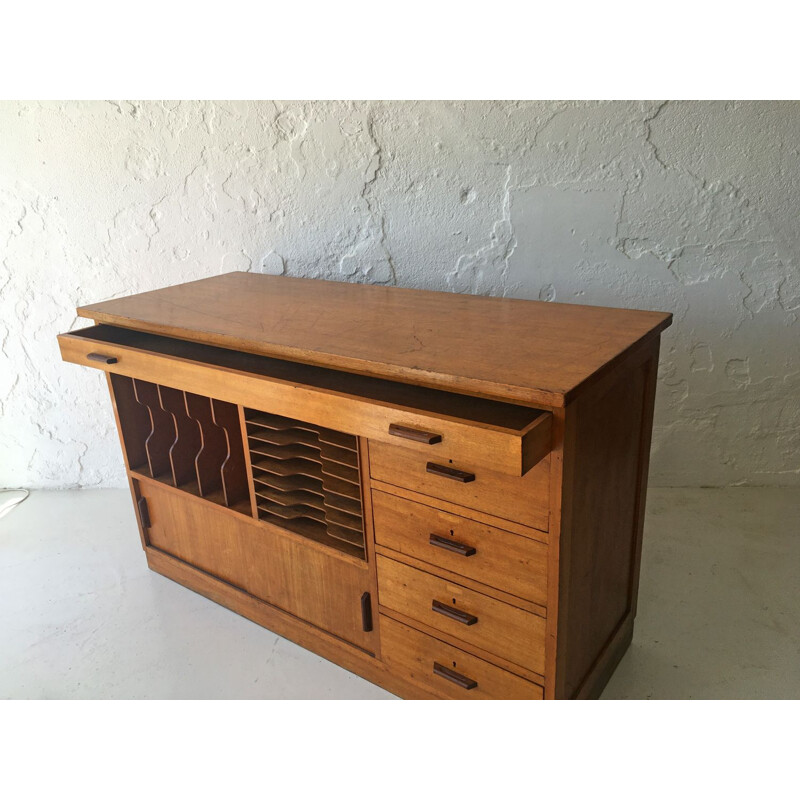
{"x":427,"y":423}
{"x":523,"y":499}
{"x":447,"y":671}
{"x":509,"y":562}
{"x":496,"y":627}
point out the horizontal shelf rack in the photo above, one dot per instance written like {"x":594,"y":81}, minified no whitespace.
{"x":306,"y":479}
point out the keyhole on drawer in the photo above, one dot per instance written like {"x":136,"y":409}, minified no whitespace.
{"x":454,"y":601}
{"x":454,"y":663}
{"x":451,"y":533}
{"x":450,"y":460}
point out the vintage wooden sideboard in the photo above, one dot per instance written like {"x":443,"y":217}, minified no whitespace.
{"x":442,"y":493}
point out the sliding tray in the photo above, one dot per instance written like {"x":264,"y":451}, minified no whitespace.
{"x":500,"y":436}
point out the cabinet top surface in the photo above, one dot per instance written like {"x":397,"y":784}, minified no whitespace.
{"x":519,"y":350}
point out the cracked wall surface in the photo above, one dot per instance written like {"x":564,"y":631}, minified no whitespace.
{"x":690,"y":207}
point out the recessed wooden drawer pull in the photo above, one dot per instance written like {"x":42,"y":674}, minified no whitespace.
{"x":449,"y":472}
{"x":454,"y":677}
{"x":454,"y":547}
{"x":414,"y":435}
{"x":453,"y":613}
{"x":102,"y":358}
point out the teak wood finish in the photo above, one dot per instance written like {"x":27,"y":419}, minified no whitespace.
{"x":442,"y":493}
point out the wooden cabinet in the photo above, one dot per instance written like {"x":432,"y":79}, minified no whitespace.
{"x":442,"y":493}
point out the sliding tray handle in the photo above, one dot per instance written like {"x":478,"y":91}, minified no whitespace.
{"x":102,"y":358}
{"x":414,"y":435}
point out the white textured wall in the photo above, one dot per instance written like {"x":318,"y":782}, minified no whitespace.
{"x":687,"y":207}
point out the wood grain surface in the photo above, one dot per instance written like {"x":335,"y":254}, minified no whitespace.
{"x":520,"y":350}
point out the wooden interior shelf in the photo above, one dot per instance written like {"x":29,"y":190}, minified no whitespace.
{"x":306,"y":479}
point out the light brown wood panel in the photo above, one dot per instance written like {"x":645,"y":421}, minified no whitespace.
{"x":504,"y":560}
{"x":531,"y":352}
{"x":309,"y":583}
{"x":415,"y":656}
{"x":500,"y":436}
{"x":272,"y":565}
{"x":194,"y":532}
{"x":525,"y":500}
{"x":502,"y":629}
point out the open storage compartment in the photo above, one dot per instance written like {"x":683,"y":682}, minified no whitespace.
{"x":500,"y":436}
{"x":185,"y":440}
{"x":306,"y":479}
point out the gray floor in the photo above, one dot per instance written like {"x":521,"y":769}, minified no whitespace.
{"x":81,"y":616}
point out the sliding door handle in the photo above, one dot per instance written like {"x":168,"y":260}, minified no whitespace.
{"x":366,"y":612}
{"x":144,"y":513}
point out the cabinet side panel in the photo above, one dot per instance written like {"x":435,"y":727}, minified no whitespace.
{"x":599,"y":573}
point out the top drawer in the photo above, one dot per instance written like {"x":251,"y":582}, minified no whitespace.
{"x":498,"y":436}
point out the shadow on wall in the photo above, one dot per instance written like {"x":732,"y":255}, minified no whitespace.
{"x":680,"y":206}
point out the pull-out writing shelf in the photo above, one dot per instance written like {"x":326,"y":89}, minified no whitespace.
{"x":442,"y":493}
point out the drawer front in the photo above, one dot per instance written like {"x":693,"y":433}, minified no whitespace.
{"x":500,"y":629}
{"x":523,"y":499}
{"x":447,"y":671}
{"x":506,"y":561}
{"x":424,"y":434}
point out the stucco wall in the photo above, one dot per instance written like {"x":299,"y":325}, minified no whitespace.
{"x":688,"y":207}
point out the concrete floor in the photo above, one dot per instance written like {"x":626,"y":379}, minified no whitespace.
{"x":81,"y":616}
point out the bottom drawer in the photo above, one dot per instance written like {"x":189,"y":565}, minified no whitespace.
{"x":446,"y":671}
